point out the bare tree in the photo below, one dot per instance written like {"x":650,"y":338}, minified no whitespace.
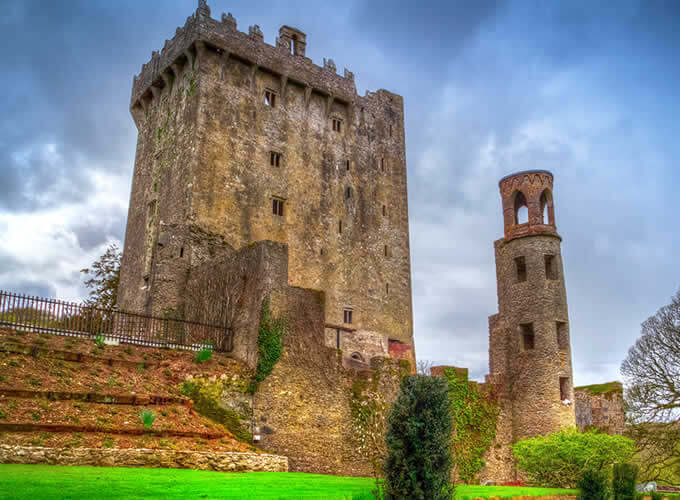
{"x":423,"y":367}
{"x":652,"y":373}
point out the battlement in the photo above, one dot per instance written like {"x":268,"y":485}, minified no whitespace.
{"x":287,"y":59}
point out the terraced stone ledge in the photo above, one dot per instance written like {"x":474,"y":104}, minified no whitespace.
{"x":95,"y":397}
{"x":142,"y":457}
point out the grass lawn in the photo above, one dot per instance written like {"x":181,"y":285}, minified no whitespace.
{"x":60,"y":482}
{"x":465,"y":492}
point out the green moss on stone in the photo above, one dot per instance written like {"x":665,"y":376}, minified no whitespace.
{"x":597,"y":389}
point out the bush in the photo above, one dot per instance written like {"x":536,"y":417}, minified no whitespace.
{"x":623,"y":483}
{"x":559,"y":460}
{"x":418,"y":464}
{"x":203,"y":355}
{"x":594,"y":486}
{"x":656,"y":495}
{"x":147,"y":417}
{"x":99,"y":340}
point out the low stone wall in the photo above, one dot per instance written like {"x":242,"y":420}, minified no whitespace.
{"x":135,"y":457}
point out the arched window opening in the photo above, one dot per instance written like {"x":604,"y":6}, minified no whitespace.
{"x":547,"y":210}
{"x":521,"y":209}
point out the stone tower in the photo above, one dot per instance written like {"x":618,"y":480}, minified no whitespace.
{"x":530,"y":354}
{"x":240,"y":141}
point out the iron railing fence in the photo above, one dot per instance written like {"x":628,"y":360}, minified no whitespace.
{"x":38,"y":314}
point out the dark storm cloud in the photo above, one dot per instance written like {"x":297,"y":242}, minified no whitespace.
{"x":70,"y":67}
{"x":585,"y":89}
{"x":93,"y":232}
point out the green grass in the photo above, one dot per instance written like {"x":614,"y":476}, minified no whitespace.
{"x":24,"y":482}
{"x":28,"y":482}
{"x":465,"y":492}
{"x":597,"y":389}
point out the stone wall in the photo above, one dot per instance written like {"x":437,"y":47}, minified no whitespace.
{"x":132,"y":457}
{"x":230,"y":291}
{"x":303,"y":408}
{"x":601,"y":407}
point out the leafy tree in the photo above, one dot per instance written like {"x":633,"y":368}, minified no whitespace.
{"x":560,"y":459}
{"x":652,"y":396}
{"x":418,"y":464}
{"x":102,"y":279}
{"x":593,"y":485}
{"x":623,"y":482}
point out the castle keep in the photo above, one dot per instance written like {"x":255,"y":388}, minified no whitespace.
{"x":243,"y":142}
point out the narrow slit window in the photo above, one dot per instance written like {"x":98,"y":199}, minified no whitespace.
{"x":562,"y":335}
{"x":277,"y":207}
{"x":347,"y":164}
{"x":387,"y":288}
{"x":521,"y":269}
{"x":550,"y":267}
{"x":384,"y":210}
{"x":270,"y":98}
{"x":382,"y":164}
{"x":528,"y":337}
{"x":347,"y":316}
{"x":274,"y":159}
{"x":387,"y":251}
{"x":348,"y":192}
{"x":181,"y":252}
{"x":564,"y":388}
{"x":340,"y":226}
{"x":390,"y":130}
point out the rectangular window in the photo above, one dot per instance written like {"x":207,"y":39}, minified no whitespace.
{"x":387,"y":251}
{"x":269,"y":98}
{"x":387,"y":288}
{"x":382,"y":164}
{"x":348,"y":192}
{"x":562,"y":335}
{"x":348,"y":316}
{"x":347,"y":164}
{"x":277,"y":207}
{"x":527,"y":331}
{"x":564,"y":388}
{"x":521,"y":268}
{"x":384,"y":210}
{"x":550,"y":267}
{"x":274,"y":159}
{"x":340,"y":226}
{"x":337,"y":125}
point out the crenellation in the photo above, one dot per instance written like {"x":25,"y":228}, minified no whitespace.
{"x":250,"y":47}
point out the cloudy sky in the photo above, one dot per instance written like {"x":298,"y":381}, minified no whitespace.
{"x":587,"y":90}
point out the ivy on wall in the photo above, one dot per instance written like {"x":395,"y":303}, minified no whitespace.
{"x":475,"y":416}
{"x":269,"y":345}
{"x":369,"y":419}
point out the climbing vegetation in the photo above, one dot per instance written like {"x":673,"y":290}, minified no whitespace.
{"x":475,"y":416}
{"x":269,"y":345}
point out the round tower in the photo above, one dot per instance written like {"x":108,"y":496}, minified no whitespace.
{"x":530,"y":347}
